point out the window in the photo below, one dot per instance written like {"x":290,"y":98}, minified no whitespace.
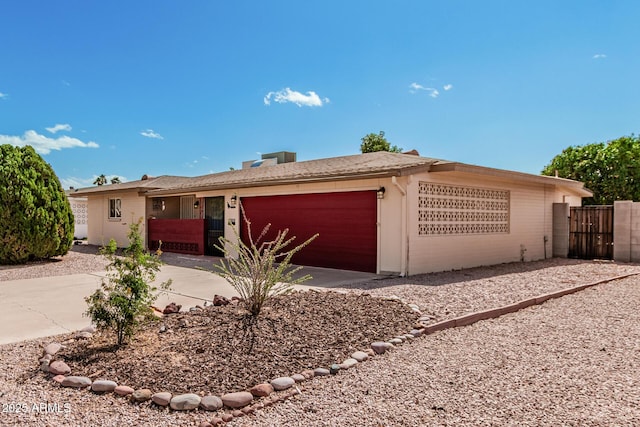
{"x":115,"y":208}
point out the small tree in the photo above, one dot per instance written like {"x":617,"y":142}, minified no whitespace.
{"x":101,"y":180}
{"x":372,"y":142}
{"x":263,"y":268}
{"x":115,"y":180}
{"x":126,"y":296}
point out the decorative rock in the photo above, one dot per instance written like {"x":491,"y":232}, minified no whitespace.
{"x":282,"y":383}
{"x":360,"y":356}
{"x":52,"y":348}
{"x":77,"y":382}
{"x":395,"y":341}
{"x":219,"y":300}
{"x":247,"y":410}
{"x":216,"y":421}
{"x":414,"y":307}
{"x":91,"y":329}
{"x":58,"y":367}
{"x":211,"y":403}
{"x":401,"y":338}
{"x":44,"y":366}
{"x":46,"y":358}
{"x":237,"y":413}
{"x":348,"y":363}
{"x":370,"y":352}
{"x":237,"y":400}
{"x":298,"y":378}
{"x":308,"y":374}
{"x":185,"y":402}
{"x":205,"y":424}
{"x":226,"y":417}
{"x":321,"y":372}
{"x":380,"y":347}
{"x":141,"y":395}
{"x":83,"y":335}
{"x":123,"y":390}
{"x":409,"y":337}
{"x":58,"y":378}
{"x":333,"y":369}
{"x":172,"y":308}
{"x":416,"y":332}
{"x":101,"y":386}
{"x":262,"y":390}
{"x":162,"y":398}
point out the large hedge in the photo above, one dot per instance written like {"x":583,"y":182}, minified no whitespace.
{"x":36,"y":221}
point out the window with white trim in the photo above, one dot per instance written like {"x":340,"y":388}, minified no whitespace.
{"x":115,"y":208}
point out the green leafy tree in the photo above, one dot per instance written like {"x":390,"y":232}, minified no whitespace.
{"x":125,"y":296}
{"x":262,"y":268}
{"x":611,"y":170}
{"x":36,"y":221}
{"x":373,"y":142}
{"x":101,"y":180}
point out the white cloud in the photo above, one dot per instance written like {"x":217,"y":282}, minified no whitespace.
{"x":58,"y":127}
{"x":149,"y":133}
{"x":310,"y":99}
{"x":4,"y":95}
{"x":447,"y":87}
{"x":415,"y":87}
{"x":43,"y":144}
{"x":599,"y":56}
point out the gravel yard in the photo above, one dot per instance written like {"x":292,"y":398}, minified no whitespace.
{"x":571,"y":361}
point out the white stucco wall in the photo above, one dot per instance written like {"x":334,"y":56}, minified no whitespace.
{"x":530,"y":227}
{"x":104,"y":229}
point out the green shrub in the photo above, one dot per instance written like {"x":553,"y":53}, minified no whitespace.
{"x":125,"y":296}
{"x":36,"y":221}
{"x":263,"y":268}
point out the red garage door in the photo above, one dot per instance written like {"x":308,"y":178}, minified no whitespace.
{"x":345,"y":222}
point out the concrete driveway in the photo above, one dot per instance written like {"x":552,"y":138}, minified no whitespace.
{"x":34,"y":308}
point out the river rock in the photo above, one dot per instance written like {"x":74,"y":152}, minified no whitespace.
{"x":237,"y":400}
{"x":161,"y":398}
{"x":75,"y":381}
{"x":211,"y":403}
{"x":185,"y":402}
{"x":101,"y":386}
{"x":282,"y":383}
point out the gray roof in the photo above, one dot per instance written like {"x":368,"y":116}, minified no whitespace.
{"x":367,"y":165}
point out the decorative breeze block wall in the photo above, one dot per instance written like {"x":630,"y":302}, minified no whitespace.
{"x":458,"y":210}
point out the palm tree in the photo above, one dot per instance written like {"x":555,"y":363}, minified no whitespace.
{"x":100,"y":180}
{"x":115,"y":180}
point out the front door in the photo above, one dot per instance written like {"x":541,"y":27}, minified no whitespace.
{"x":214,"y":214}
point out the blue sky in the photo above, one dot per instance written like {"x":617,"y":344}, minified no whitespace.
{"x":126,"y":88}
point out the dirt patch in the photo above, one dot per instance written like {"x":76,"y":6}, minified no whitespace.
{"x":220,"y":349}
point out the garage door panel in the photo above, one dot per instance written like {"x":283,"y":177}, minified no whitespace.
{"x":345,"y":222}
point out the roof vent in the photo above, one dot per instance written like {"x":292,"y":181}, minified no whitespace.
{"x":271,"y":159}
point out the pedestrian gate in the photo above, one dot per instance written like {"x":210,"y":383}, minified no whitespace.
{"x":591,"y":232}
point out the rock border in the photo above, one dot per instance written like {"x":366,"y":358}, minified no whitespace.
{"x":239,"y":404}
{"x":236,"y":404}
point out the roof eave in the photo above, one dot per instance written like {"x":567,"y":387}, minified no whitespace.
{"x":575,"y":186}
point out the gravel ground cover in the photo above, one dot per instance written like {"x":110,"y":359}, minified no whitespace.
{"x":571,"y":361}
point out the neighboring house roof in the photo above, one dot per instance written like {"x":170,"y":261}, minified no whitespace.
{"x":141,"y":185}
{"x":369,"y":165}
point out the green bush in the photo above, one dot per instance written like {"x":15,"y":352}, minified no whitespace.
{"x":36,"y":221}
{"x":126,"y":296}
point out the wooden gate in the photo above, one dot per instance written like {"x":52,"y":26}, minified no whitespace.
{"x":591,"y":232}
